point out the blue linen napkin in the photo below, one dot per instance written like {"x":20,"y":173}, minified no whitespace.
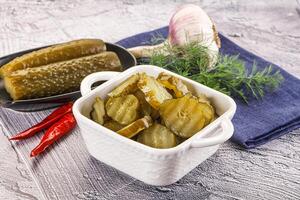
{"x":261,"y":120}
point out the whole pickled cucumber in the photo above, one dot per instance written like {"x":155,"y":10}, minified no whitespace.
{"x":56,"y":53}
{"x":58,"y":78}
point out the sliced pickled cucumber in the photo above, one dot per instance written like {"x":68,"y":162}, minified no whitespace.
{"x":208,"y":109}
{"x":113,"y":125}
{"x":158,"y":136}
{"x":208,"y":112}
{"x":123,"y":109}
{"x":58,"y":78}
{"x":155,"y":93}
{"x":134,"y":128}
{"x":180,"y":140}
{"x":56,"y":53}
{"x":127,"y":87}
{"x":98,"y":111}
{"x":203,"y":98}
{"x":185,"y":116}
{"x":214,"y":118}
{"x":173,"y":83}
{"x":145,"y":107}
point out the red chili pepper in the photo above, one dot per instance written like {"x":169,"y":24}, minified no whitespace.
{"x":46,"y":123}
{"x":55,"y":132}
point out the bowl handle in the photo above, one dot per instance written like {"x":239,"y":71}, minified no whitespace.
{"x":88,"y":81}
{"x":226,"y":133}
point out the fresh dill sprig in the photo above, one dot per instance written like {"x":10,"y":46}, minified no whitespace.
{"x":229,"y":75}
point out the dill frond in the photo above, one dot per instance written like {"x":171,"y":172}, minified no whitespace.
{"x":229,"y":75}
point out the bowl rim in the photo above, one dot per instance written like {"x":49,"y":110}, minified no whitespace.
{"x":228,"y":114}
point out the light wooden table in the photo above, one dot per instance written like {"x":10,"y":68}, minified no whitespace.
{"x":270,"y":29}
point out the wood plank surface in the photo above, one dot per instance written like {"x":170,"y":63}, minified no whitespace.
{"x":270,"y":29}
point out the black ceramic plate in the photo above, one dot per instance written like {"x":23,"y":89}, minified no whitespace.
{"x":126,"y":58}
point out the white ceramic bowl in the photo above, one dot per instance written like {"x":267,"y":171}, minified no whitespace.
{"x":150,"y":165}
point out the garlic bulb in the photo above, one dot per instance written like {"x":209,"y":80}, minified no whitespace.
{"x":189,"y":23}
